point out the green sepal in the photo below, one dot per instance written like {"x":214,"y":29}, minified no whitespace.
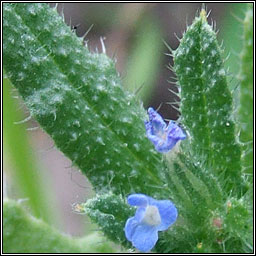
{"x":110,"y":212}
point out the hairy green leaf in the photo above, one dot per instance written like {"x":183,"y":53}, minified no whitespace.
{"x":77,"y":98}
{"x":205,"y":171}
{"x":110,"y":212}
{"x":206,"y":102}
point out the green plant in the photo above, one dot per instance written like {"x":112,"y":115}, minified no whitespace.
{"x":77,"y":98}
{"x":24,"y":233}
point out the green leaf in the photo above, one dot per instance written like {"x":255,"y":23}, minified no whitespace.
{"x":206,"y":103}
{"x":238,"y":222}
{"x":110,"y":212}
{"x":203,"y":181}
{"x":77,"y":98}
{"x":18,"y":153}
{"x":197,"y":194}
{"x":230,"y":33}
{"x":246,"y":92}
{"x":23,"y":233}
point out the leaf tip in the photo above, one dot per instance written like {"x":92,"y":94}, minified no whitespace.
{"x":203,"y":14}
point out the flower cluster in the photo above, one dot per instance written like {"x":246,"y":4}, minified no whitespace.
{"x":162,"y":136}
{"x":151,"y":216}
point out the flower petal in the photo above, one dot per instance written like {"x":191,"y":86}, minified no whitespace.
{"x":167,"y":211}
{"x":144,"y":237}
{"x":164,"y":147}
{"x":137,"y":200}
{"x":175,"y":132}
{"x":163,"y":137}
{"x":139,"y":215}
{"x":130,"y":226}
{"x":156,"y":121}
{"x":157,"y":141}
{"x":133,"y":222}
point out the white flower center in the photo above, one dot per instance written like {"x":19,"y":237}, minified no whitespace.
{"x":152,"y":216}
{"x":162,"y":134}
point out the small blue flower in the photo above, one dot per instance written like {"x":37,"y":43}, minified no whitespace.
{"x":151,"y":216}
{"x":162,"y":136}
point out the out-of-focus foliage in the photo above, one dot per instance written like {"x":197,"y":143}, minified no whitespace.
{"x":144,"y":61}
{"x":230,"y":32}
{"x":27,"y":234}
{"x":18,"y":153}
{"x":246,"y":92}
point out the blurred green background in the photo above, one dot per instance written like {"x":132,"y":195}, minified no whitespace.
{"x":134,"y":34}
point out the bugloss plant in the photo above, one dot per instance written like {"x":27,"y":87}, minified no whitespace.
{"x":188,"y":184}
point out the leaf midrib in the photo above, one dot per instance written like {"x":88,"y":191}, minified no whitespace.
{"x":203,"y":94}
{"x":86,"y":100}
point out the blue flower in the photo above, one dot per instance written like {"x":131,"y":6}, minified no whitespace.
{"x":162,"y":136}
{"x":151,"y":216}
